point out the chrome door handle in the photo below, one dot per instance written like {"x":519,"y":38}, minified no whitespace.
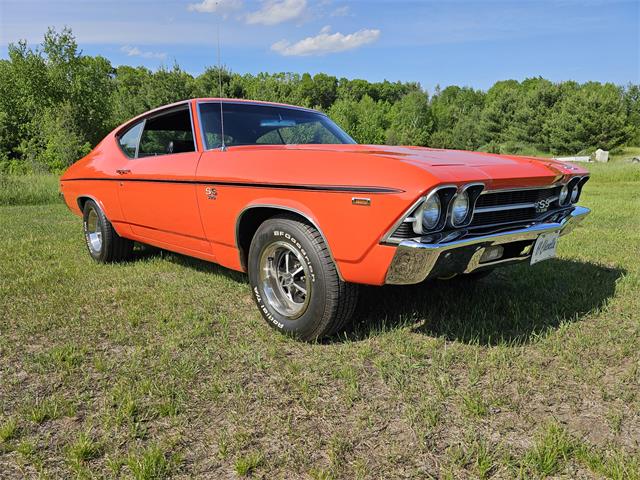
{"x":123,"y":171}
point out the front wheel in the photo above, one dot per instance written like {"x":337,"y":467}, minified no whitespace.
{"x":295,"y":282}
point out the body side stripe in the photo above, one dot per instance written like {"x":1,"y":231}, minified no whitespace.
{"x":281,"y":186}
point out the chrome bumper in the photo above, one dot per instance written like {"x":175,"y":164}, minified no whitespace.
{"x":460,"y":252}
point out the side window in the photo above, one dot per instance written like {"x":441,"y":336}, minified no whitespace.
{"x":129,"y":141}
{"x":166,"y":134}
{"x":212,"y":133}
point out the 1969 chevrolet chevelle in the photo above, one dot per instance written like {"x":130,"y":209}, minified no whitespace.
{"x":282,"y":193}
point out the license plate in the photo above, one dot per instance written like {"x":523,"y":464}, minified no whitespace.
{"x":545,"y":247}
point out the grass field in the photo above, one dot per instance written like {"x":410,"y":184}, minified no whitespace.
{"x":162,"y":367}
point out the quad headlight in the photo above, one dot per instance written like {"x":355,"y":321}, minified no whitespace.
{"x":570,"y":192}
{"x":444,"y":207}
{"x":460,"y":209}
{"x":564,"y":193}
{"x":574,"y":193}
{"x":428,"y":215}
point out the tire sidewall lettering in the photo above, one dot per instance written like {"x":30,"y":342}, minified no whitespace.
{"x":265,"y":311}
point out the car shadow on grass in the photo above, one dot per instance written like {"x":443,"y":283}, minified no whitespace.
{"x":512,"y":305}
{"x":142,"y":252}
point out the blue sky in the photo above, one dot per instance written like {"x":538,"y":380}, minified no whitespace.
{"x":433,"y":42}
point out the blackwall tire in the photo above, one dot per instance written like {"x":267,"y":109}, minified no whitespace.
{"x":294,"y":280}
{"x":103,"y":242}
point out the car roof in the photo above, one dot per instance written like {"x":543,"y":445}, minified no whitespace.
{"x":256,"y":102}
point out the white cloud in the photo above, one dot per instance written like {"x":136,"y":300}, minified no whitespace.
{"x":136,"y":52}
{"x":216,"y":6}
{"x":326,"y":42}
{"x":277,"y":11}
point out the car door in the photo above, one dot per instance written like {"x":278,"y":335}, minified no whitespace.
{"x":157,"y":183}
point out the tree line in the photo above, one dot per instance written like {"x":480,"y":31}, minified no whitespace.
{"x":57,"y":103}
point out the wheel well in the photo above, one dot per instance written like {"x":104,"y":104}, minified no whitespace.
{"x":81,"y":202}
{"x":251,"y":220}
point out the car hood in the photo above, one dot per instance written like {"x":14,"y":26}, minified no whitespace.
{"x":497,"y":171}
{"x":431,"y":157}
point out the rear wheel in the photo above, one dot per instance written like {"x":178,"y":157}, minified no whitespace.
{"x":103,"y":242}
{"x":295,"y":282}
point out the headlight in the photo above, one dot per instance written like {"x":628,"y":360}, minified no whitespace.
{"x":460,"y":209}
{"x":428,"y":215}
{"x":574,"y":193}
{"x":564,"y":192}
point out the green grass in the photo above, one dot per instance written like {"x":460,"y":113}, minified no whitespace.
{"x":246,"y":464}
{"x":624,"y":154}
{"x":151,"y":463}
{"x":8,"y":429}
{"x":29,"y":189}
{"x":82,"y":450}
{"x":550,"y":452}
{"x":163,"y":367}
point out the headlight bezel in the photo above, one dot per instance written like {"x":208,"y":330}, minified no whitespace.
{"x":458,"y":217}
{"x":581,"y":185}
{"x":575,"y":193}
{"x":573,"y":185}
{"x":446,"y":194}
{"x":472,"y":192}
{"x":421,"y":214}
{"x":563,"y":195}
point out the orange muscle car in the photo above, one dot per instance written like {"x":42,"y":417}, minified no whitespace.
{"x":282,"y":193}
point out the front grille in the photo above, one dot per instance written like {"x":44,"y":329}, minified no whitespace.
{"x":481,"y":219}
{"x":496,"y":208}
{"x":513,"y":197}
{"x":405,"y":230}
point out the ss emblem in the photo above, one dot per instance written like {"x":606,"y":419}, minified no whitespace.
{"x":542,"y":205}
{"x":211,"y":193}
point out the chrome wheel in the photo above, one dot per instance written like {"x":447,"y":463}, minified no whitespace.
{"x":94,"y":232}
{"x":285,"y":279}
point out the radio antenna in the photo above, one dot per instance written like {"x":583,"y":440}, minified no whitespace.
{"x":223,"y":147}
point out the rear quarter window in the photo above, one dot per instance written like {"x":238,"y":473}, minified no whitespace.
{"x":129,"y":141}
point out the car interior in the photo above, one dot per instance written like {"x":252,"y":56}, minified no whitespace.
{"x":164,"y":134}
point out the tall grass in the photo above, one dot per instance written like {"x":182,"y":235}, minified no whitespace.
{"x":613,"y":172}
{"x":29,"y":189}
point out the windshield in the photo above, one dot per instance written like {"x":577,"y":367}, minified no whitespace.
{"x":254,"y":124}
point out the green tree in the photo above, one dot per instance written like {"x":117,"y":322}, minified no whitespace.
{"x":499,"y":111}
{"x":168,"y":86}
{"x":632,"y":103}
{"x":63,"y":139}
{"x":410,"y":120}
{"x":366,"y":121}
{"x":52,"y":85}
{"x":352,"y":89}
{"x":324,"y":88}
{"x":536,"y":98}
{"x":590,"y":116}
{"x":128,"y":93}
{"x":456,"y":113}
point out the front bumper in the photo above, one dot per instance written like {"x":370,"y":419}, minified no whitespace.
{"x":458,"y":252}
